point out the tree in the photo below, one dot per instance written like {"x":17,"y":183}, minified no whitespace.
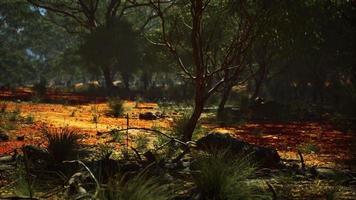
{"x":113,"y":50}
{"x":82,"y":16}
{"x":190,"y":28}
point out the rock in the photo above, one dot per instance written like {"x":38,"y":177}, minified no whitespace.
{"x":147,"y":116}
{"x":265,"y":157}
{"x":3,"y":136}
{"x":20,"y":138}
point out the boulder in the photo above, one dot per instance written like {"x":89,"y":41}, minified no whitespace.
{"x":3,"y":136}
{"x":147,"y":116}
{"x":265,"y":157}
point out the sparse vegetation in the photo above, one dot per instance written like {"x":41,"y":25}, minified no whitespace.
{"x":220,"y":178}
{"x":138,"y":188}
{"x":116,"y":107}
{"x":308,"y":148}
{"x":63,"y":143}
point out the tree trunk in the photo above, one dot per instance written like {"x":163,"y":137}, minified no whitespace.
{"x":108,"y":78}
{"x":223,"y":100}
{"x":262,"y":72}
{"x":190,"y":126}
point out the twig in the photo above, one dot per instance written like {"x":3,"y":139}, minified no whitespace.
{"x":18,"y":198}
{"x":301,"y":160}
{"x":137,"y":153}
{"x":91,"y":174}
{"x":154,"y":131}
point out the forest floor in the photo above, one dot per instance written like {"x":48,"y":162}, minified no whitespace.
{"x":322,"y":144}
{"x":327,"y":146}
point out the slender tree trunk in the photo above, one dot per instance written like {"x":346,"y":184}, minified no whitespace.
{"x":190,"y":126}
{"x":262,"y":72}
{"x":223,"y":100}
{"x":108,"y":78}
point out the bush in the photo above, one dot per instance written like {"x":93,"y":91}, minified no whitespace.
{"x":308,"y":148}
{"x":141,"y":141}
{"x":220,"y":178}
{"x":116,"y":107}
{"x":63,"y":143}
{"x":137,"y":188}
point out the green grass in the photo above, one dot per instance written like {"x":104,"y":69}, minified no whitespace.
{"x":140,"y":187}
{"x":116,"y":107}
{"x":308,"y":148}
{"x":63,"y":143}
{"x":220,"y":178}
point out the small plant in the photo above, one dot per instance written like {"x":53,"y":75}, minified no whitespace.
{"x":95,"y":118}
{"x":308,"y":148}
{"x":141,"y":142}
{"x":179,"y":125}
{"x":63,"y":143}
{"x":14,"y":115}
{"x":220,"y":178}
{"x":117,"y":136}
{"x":138,"y":101}
{"x":137,"y":188}
{"x":29,"y":119}
{"x":3,"y":107}
{"x":116,"y":107}
{"x":72,"y":114}
{"x":23,"y":186}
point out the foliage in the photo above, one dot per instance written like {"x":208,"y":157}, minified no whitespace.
{"x":137,"y":188}
{"x":63,"y":143}
{"x":116,"y":106}
{"x":308,"y":148}
{"x":141,"y":141}
{"x":220,"y":178}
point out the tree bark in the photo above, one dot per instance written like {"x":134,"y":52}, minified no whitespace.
{"x":223,"y":100}
{"x":190,"y":126}
{"x":262,"y":72}
{"x":108,"y":78}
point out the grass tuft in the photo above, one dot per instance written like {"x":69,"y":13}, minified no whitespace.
{"x":116,"y":107}
{"x":220,"y":178}
{"x":137,"y":188}
{"x":63,"y":143}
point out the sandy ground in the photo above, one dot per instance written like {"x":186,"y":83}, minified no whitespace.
{"x":335,"y":146}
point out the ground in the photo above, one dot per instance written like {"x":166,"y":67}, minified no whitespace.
{"x":322,"y":144}
{"x":332,"y":147}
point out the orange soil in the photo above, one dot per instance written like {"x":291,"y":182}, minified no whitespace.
{"x":285,"y":137}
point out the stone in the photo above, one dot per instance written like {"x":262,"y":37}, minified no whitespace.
{"x":3,"y":136}
{"x":265,"y":157}
{"x":20,"y":138}
{"x":147,"y":116}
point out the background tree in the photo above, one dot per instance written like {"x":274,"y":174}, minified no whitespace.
{"x":112,"y":50}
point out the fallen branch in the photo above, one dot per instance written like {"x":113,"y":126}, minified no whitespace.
{"x":154,"y":131}
{"x":91,"y":174}
{"x":301,"y":160}
{"x":18,"y":198}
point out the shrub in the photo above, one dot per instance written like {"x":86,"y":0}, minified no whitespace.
{"x":63,"y":143}
{"x":141,"y":141}
{"x":29,"y":119}
{"x":137,"y":188}
{"x":220,"y":178}
{"x":116,"y":107}
{"x":308,"y":148}
{"x":179,"y":124}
